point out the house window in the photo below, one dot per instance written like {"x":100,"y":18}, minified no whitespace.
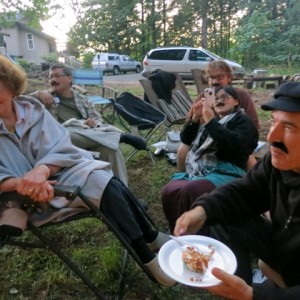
{"x":30,"y":42}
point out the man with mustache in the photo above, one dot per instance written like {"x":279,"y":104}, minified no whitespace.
{"x":65,"y":104}
{"x":272,"y":184}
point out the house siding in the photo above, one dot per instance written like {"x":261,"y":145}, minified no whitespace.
{"x":12,"y":42}
{"x":16,"y":44}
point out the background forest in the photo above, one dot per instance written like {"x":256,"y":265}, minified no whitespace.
{"x":252,"y":32}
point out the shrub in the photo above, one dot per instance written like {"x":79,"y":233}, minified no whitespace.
{"x":51,"y":58}
{"x":27,"y":65}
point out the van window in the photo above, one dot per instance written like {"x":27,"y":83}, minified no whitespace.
{"x":171,"y":54}
{"x":197,"y":55}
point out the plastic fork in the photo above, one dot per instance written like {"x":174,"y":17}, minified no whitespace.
{"x":181,"y":243}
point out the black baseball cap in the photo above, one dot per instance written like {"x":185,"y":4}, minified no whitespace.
{"x":286,"y":98}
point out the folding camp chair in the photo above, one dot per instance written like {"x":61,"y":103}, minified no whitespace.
{"x":82,"y":77}
{"x":181,"y":102}
{"x":200,"y":79}
{"x":93,"y":212}
{"x":138,"y":117}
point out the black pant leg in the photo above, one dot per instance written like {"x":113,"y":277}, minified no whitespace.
{"x":120,"y":205}
{"x":245,"y":239}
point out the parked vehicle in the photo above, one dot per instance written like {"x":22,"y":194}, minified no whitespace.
{"x":115,"y":63}
{"x":183,"y":60}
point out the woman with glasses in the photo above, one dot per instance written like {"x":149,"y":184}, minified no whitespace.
{"x":220,"y":137}
{"x":219,"y":73}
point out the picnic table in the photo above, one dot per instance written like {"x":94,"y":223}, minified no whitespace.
{"x":250,"y":80}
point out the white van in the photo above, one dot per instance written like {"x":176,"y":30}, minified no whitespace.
{"x":183,"y":60}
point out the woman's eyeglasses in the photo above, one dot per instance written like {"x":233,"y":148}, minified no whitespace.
{"x":217,"y":77}
{"x":223,"y":97}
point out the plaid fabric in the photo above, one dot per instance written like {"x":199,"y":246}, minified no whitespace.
{"x":179,"y":107}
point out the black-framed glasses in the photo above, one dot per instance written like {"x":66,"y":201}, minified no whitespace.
{"x":223,"y":97}
{"x":217,"y":77}
{"x":57,"y":76}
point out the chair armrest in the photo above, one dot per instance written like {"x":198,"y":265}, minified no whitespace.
{"x":108,"y":92}
{"x":69,"y":192}
{"x":79,"y":89}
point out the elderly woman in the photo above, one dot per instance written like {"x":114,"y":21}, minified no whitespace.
{"x":221,"y":138}
{"x":36,"y":152}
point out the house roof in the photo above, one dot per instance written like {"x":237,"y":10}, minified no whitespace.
{"x":36,"y":32}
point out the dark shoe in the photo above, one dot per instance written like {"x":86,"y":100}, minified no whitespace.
{"x":9,"y":230}
{"x":13,"y":222}
{"x":136,"y":142}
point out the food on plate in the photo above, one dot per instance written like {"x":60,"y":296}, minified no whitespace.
{"x":196,"y":261}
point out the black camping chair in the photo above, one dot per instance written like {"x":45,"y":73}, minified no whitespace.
{"x":93,"y":212}
{"x":138,"y":117}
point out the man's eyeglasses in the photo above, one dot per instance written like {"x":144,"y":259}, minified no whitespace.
{"x":223,"y":97}
{"x":217,"y":77}
{"x":56,"y":76}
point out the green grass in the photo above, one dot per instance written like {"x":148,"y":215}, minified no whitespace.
{"x":283,"y":70}
{"x":264,"y":116}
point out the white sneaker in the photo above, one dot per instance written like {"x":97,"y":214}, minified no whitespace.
{"x":161,"y":239}
{"x":159,"y":274}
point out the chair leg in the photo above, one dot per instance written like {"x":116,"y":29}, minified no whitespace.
{"x":122,"y":273}
{"x":135,"y":151}
{"x":118,"y":234}
{"x":66,"y":260}
{"x":151,"y":156}
{"x":131,"y":155}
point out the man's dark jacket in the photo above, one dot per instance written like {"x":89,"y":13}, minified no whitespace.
{"x":265,"y":188}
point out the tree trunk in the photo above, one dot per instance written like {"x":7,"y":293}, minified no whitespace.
{"x":204,"y":5}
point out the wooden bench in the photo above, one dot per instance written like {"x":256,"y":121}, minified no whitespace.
{"x":249,"y":81}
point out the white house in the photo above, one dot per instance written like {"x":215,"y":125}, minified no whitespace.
{"x":25,"y":42}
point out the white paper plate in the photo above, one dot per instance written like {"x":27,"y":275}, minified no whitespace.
{"x":170,"y":260}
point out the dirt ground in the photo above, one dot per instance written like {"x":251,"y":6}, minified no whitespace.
{"x":261,"y":96}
